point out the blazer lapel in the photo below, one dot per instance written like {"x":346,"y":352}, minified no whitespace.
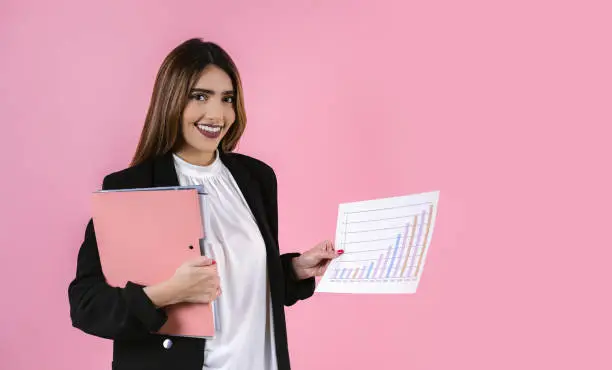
{"x":250,"y":188}
{"x":164,"y":173}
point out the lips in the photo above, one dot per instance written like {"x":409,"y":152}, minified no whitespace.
{"x":209,"y":130}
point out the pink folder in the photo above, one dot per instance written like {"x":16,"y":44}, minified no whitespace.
{"x":143,"y":236}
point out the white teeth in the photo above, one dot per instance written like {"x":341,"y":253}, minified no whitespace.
{"x":210,"y":128}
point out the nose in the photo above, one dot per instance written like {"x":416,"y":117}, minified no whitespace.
{"x":214,"y":111}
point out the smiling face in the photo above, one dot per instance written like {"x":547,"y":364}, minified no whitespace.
{"x":208,"y":116}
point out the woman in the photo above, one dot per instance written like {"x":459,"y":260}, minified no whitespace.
{"x":195,"y":119}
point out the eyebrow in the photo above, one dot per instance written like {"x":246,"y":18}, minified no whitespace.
{"x":211,"y":92}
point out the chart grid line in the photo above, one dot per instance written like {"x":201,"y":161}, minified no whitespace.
{"x":370,"y":230}
{"x":375,"y":220}
{"x":388,"y":208}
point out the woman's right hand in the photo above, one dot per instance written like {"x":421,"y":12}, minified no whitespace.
{"x":195,"y":281}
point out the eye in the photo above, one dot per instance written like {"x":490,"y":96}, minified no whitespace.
{"x":199,"y":96}
{"x":229,"y":99}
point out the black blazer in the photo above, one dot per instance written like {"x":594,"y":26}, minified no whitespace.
{"x":128,"y":317}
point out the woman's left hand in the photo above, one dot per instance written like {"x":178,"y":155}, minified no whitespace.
{"x":314,"y":262}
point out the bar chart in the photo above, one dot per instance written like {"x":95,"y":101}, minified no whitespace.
{"x":385,"y":243}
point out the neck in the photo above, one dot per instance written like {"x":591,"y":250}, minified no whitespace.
{"x":196,"y":157}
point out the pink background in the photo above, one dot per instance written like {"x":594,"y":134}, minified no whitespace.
{"x":503,"y":106}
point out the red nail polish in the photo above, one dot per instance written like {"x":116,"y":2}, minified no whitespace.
{"x":214,"y":262}
{"x":340,"y":251}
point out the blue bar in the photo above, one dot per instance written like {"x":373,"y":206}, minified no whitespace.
{"x":370,"y":270}
{"x":397,"y":241}
{"x":342,"y":274}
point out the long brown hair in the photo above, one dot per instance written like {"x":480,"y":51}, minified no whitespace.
{"x":178,"y":73}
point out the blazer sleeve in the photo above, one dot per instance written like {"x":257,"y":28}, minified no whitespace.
{"x":102,"y":310}
{"x":295,"y":289}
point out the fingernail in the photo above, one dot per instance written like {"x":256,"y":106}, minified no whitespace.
{"x":213,"y":262}
{"x":340,"y":251}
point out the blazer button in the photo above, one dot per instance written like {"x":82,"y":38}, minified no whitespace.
{"x":167,"y":344}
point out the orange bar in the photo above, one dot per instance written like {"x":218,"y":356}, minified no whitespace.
{"x":409,"y":244}
{"x":356,"y":271}
{"x":424,"y":240}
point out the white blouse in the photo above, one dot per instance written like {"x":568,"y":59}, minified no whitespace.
{"x":245,"y":337}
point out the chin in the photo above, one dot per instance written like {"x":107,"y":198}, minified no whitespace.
{"x":210,"y":148}
{"x":196,"y":147}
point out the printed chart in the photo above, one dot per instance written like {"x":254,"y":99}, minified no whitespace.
{"x":385,"y":244}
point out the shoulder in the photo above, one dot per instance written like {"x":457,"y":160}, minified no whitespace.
{"x":257,"y":167}
{"x":129,"y":177}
